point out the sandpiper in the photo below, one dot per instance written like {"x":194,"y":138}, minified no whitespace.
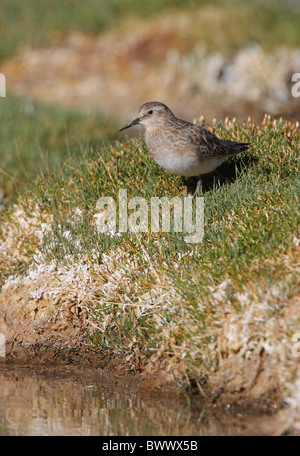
{"x":182,"y":147}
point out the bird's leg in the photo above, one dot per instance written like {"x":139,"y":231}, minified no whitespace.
{"x":184,"y":181}
{"x":198,"y":186}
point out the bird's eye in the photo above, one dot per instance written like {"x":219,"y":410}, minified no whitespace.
{"x":150,"y":112}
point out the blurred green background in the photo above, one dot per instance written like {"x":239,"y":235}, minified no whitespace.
{"x":106,"y":57}
{"x":271,"y":23}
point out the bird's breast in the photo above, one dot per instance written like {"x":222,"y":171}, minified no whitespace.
{"x":179,"y":156}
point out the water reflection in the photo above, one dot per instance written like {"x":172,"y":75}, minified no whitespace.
{"x":68,"y":401}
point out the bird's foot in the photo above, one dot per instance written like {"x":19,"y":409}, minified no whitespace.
{"x":185,"y":185}
{"x":198,"y":187}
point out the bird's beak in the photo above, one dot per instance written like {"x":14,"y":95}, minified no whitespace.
{"x":134,"y":122}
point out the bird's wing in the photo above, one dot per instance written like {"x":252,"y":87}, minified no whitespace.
{"x":207,"y":144}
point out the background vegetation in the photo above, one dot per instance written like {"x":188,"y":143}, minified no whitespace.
{"x":270,"y":23}
{"x":32,"y":131}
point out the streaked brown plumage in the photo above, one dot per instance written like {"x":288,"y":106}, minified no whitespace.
{"x":181,"y":147}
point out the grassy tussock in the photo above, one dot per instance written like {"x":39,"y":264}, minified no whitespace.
{"x":153,"y":296}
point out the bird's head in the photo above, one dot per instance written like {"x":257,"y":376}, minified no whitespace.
{"x":151,"y":114}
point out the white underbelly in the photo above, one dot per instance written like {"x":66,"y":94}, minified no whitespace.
{"x":189,"y":166}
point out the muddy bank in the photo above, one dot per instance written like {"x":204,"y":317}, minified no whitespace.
{"x":48,"y":321}
{"x":48,"y":316}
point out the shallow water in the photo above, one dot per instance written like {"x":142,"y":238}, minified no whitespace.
{"x":69,"y":401}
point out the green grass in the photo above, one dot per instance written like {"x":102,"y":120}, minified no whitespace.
{"x":251,"y":217}
{"x":232,"y":23}
{"x":263,"y":189}
{"x":35,"y":137}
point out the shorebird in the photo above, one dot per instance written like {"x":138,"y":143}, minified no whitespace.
{"x":182,"y":147}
